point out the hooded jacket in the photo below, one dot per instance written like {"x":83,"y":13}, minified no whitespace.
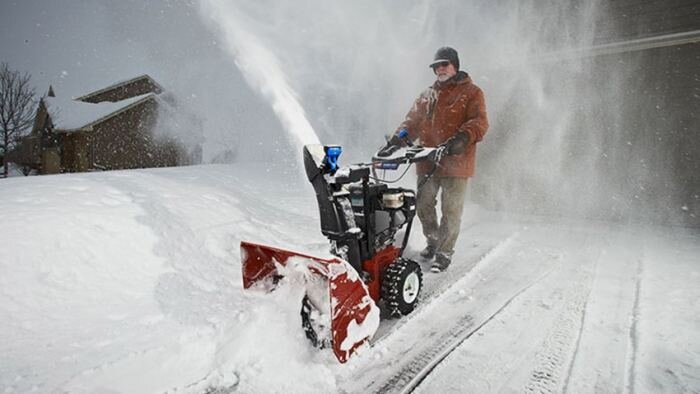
{"x":440,"y":112}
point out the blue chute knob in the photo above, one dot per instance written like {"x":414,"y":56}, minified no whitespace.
{"x":332,"y":154}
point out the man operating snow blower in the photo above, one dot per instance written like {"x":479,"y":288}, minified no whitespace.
{"x":451,"y":114}
{"x":363,"y":217}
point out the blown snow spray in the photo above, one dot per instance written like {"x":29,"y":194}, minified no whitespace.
{"x":262,"y":71}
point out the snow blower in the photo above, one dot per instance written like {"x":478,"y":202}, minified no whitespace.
{"x":361,"y":216}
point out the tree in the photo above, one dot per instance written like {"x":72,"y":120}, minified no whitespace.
{"x":17,"y":106}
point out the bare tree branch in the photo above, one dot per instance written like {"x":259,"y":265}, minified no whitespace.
{"x":17,"y":109}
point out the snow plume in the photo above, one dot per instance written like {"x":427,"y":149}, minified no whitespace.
{"x":262,"y":70}
{"x":567,"y":137}
{"x":572,"y":133}
{"x":533,"y":159}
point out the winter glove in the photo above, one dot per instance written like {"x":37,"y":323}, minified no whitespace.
{"x":387,"y":150}
{"x":392,"y":145}
{"x":456,"y":144}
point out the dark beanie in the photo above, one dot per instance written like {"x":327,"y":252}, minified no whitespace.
{"x":446,"y":54}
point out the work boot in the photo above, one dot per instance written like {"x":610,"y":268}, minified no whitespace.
{"x":428,"y":253}
{"x":442,"y":261}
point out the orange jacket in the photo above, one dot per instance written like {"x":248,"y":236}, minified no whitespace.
{"x":439,"y":113}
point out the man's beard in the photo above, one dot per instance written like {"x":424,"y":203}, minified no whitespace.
{"x":443,"y":77}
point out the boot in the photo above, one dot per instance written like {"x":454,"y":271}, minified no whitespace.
{"x":428,"y":253}
{"x":442,"y":261}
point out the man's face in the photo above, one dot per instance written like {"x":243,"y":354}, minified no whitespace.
{"x":444,"y":71}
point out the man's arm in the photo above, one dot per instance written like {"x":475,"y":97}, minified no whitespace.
{"x":477,"y":122}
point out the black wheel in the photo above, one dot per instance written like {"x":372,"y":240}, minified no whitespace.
{"x":316,"y":325}
{"x":401,"y":286}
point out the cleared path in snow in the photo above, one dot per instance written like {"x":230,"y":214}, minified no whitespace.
{"x":532,"y":342}
{"x":586,"y":326}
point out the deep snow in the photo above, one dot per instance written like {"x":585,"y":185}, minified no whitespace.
{"x":129,"y":281}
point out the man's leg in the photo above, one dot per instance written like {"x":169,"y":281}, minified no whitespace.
{"x":426,"y":199}
{"x":452,"y":199}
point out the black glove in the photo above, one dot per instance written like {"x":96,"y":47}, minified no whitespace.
{"x":387,"y":150}
{"x":391,"y":146}
{"x":395,"y":140}
{"x":456,"y":144}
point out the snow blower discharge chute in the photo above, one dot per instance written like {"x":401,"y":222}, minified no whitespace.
{"x":360,"y":215}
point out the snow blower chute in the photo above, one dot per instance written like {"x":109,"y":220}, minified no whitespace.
{"x":361,"y":216}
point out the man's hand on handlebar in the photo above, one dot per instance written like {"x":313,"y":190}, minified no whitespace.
{"x":387,"y":150}
{"x":456,"y":144}
{"x":439,"y":153}
{"x":392,"y":145}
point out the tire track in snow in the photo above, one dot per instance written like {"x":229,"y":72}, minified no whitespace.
{"x":448,"y":346}
{"x":634,"y":333}
{"x":420,"y":366}
{"x":604,"y":358}
{"x":581,"y":325}
{"x":558,"y":352}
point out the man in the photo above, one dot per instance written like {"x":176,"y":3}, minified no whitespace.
{"x":450,"y":114}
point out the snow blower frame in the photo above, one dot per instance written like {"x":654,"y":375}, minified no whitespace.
{"x":361,"y":216}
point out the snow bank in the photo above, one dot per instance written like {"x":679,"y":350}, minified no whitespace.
{"x":130,"y":282}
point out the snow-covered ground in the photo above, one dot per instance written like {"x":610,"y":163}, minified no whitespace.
{"x":129,"y":281}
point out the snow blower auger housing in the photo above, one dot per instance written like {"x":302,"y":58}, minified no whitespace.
{"x":360,"y":215}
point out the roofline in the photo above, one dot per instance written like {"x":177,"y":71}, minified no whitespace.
{"x":118,"y":84}
{"x":631,"y":45}
{"x":88,"y":127}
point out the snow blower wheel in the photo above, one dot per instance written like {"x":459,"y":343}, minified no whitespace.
{"x":401,"y":286}
{"x":315,"y":325}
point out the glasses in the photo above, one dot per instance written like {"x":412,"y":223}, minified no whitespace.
{"x":441,"y":64}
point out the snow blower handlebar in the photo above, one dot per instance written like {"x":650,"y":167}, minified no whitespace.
{"x":408,"y":155}
{"x":391,"y":155}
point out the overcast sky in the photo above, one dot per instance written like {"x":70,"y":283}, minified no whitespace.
{"x":79,"y":46}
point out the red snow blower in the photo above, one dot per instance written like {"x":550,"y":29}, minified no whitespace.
{"x":360,"y":215}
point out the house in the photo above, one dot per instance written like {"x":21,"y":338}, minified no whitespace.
{"x":110,"y":128}
{"x":123,"y":90}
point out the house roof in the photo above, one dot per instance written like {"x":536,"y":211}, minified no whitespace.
{"x":119,"y":84}
{"x":70,"y":115}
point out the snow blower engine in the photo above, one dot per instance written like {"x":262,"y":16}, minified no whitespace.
{"x":361,"y":216}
